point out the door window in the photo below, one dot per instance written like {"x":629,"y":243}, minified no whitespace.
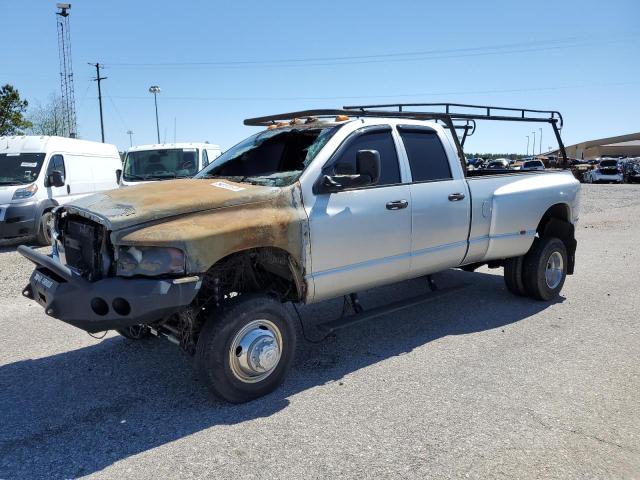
{"x":57,"y":163}
{"x":427,"y":157}
{"x":380,"y":140}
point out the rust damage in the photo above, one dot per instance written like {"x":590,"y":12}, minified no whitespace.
{"x":253,"y":218}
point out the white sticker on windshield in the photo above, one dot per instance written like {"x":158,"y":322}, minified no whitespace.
{"x":227,"y":186}
{"x":188,"y":149}
{"x":29,"y":164}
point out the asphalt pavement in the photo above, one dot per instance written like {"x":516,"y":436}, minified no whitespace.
{"x":476,"y":384}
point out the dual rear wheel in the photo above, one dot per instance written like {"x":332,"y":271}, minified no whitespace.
{"x":539,"y":274}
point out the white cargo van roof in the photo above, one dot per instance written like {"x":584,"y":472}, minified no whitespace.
{"x":160,"y":146}
{"x":44,"y":144}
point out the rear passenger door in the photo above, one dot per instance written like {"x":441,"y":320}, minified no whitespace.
{"x":440,"y":203}
{"x":359,"y":237}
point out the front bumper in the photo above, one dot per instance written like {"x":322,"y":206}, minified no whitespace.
{"x":106,"y":304}
{"x":17,"y":220}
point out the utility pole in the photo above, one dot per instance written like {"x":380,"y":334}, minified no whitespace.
{"x":540,"y":140}
{"x":533,"y":150}
{"x":130,"y":133}
{"x":99,"y":79}
{"x":156,"y":90}
{"x":527,"y":145}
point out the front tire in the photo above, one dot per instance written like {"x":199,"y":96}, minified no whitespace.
{"x":43,"y":235}
{"x":245,"y":350}
{"x":545,"y":268}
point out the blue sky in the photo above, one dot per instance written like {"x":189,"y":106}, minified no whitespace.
{"x":220,"y":62}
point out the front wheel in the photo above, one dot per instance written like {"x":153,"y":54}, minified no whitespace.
{"x":43,"y":235}
{"x":545,"y":268}
{"x":245,"y":350}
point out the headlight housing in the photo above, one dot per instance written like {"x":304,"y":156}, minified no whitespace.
{"x":149,"y":261}
{"x":25,"y":192}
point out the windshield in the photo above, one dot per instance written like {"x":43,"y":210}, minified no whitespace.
{"x":532,"y":163}
{"x":18,"y":169}
{"x":272,"y":157}
{"x":160,"y":164}
{"x":609,"y":163}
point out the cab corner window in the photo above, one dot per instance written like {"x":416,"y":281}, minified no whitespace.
{"x":382,"y":141}
{"x":427,"y":157}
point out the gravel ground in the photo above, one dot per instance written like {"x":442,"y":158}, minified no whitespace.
{"x":478,"y":384}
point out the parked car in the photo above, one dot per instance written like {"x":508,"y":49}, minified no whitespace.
{"x":38,"y":173}
{"x":532,"y":165}
{"x":145,"y":163}
{"x":500,"y":164}
{"x":631,"y":170}
{"x":298,"y":212}
{"x":606,"y":171}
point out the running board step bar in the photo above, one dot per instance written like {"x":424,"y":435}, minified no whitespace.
{"x":333,"y":325}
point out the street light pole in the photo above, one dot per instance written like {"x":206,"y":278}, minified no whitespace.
{"x":156,"y":90}
{"x":533,"y":150}
{"x":130,"y":133}
{"x":527,"y":145}
{"x":540,"y":140}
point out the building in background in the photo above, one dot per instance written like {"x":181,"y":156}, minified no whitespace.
{"x":620,"y":146}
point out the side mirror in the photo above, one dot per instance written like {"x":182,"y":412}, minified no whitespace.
{"x":55,"y":179}
{"x":367,"y":173}
{"x":368,"y":164}
{"x":118,"y":176}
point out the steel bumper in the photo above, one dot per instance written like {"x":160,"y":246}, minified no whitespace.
{"x":106,"y":304}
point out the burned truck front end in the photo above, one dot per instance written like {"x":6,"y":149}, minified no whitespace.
{"x":92,"y":285}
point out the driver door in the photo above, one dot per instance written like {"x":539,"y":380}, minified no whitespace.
{"x":59,"y":194}
{"x":361,"y":237}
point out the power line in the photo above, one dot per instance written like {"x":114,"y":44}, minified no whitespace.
{"x":520,"y":47}
{"x":400,"y":95}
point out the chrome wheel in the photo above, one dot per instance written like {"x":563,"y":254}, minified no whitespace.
{"x":255,"y":351}
{"x":554,"y":270}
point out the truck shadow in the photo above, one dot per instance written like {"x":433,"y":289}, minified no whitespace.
{"x":78,"y":412}
{"x":11,"y":245}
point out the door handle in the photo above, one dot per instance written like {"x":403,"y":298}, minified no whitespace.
{"x":455,"y":197}
{"x":397,"y":205}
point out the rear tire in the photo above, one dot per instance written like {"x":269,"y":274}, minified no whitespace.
{"x":43,"y":235}
{"x":545,"y":268}
{"x":245,"y":350}
{"x":513,"y":276}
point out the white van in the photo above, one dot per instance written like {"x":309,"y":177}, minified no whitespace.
{"x":164,"y":161}
{"x":37,"y":173}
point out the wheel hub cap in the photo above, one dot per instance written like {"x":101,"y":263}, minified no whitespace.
{"x":255,"y":351}
{"x":554,"y":270}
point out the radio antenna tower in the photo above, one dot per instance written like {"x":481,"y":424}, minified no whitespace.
{"x":66,"y":71}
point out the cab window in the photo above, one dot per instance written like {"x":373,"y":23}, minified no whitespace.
{"x":57,"y":163}
{"x":380,"y":140}
{"x":427,"y":157}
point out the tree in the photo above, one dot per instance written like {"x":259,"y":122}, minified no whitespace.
{"x":12,"y":121}
{"x":47,"y":119}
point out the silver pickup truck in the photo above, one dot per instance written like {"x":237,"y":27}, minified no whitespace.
{"x":317,"y":205}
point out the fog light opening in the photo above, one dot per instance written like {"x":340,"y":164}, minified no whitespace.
{"x":121,"y":306}
{"x":99,"y":306}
